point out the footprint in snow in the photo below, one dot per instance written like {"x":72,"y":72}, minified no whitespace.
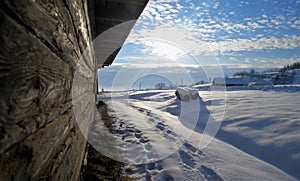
{"x":138,"y":135}
{"x":148,"y":147}
{"x":160,"y":126}
{"x":209,"y":174}
{"x":190,"y":147}
{"x":186,"y":158}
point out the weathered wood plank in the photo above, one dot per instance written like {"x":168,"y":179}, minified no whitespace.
{"x":52,"y":151}
{"x":33,"y":79}
{"x":61,"y":25}
{"x":51,"y":23}
{"x":17,"y":132}
{"x":37,"y":150}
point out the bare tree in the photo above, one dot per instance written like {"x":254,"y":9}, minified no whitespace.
{"x":160,"y":86}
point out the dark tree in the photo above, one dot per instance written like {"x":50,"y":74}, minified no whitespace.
{"x":160,"y":86}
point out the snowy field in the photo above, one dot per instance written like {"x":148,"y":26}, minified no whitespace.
{"x":162,"y":138}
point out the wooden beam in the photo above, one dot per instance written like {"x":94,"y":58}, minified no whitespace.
{"x":139,"y":2}
{"x":113,"y":14}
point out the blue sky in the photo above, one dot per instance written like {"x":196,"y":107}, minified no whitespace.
{"x":211,"y":37}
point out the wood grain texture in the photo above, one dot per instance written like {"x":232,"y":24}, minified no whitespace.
{"x":50,"y":22}
{"x":17,"y":132}
{"x":42,"y":48}
{"x":54,"y":152}
{"x":33,"y":79}
{"x":60,"y":24}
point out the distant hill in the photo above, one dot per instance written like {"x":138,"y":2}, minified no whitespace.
{"x":293,"y":66}
{"x":289,"y":74}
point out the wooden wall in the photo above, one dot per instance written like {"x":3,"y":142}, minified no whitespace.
{"x":41,"y":43}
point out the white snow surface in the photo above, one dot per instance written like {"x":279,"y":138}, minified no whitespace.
{"x":258,"y":139}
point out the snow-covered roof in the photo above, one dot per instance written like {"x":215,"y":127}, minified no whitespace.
{"x":270,"y":73}
{"x":187,"y":90}
{"x":264,"y":82}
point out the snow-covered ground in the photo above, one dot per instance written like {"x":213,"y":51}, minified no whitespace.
{"x":160,"y":138}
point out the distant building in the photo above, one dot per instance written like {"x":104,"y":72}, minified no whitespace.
{"x":263,"y":82}
{"x":270,"y":75}
{"x":231,"y":81}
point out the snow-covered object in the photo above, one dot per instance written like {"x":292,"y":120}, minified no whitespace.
{"x":231,"y":81}
{"x":187,"y":93}
{"x":263,"y":82}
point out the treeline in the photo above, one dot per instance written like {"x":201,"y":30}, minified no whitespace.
{"x":290,"y":67}
{"x":246,"y":74}
{"x":252,"y":72}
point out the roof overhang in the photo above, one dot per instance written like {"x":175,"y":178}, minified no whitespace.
{"x":111,"y":23}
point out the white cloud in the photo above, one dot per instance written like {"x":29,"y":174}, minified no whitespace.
{"x":296,"y":24}
{"x":233,"y":59}
{"x":254,"y":25}
{"x":276,"y":22}
{"x":155,"y":62}
{"x":216,"y":5}
{"x":263,"y":21}
{"x":277,"y":62}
